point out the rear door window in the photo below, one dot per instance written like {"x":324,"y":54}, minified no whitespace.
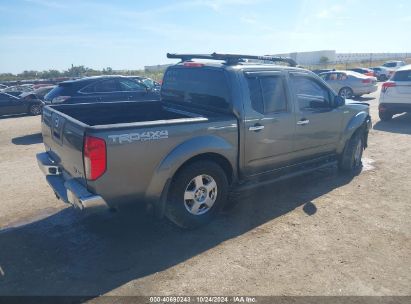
{"x":267,"y":94}
{"x":106,"y":86}
{"x":197,"y":86}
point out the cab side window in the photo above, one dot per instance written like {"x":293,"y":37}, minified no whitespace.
{"x":310,"y":94}
{"x":267,"y":94}
{"x":106,"y":86}
{"x":130,"y":85}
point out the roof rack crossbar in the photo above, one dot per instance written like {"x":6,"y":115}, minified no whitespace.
{"x":232,"y":58}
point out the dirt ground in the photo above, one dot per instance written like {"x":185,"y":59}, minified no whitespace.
{"x":320,"y":234}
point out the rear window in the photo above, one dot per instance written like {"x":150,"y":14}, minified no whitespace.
{"x":402,"y":76}
{"x":202,"y":87}
{"x":60,"y":90}
{"x":390,"y":64}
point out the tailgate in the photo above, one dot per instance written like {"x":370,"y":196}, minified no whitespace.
{"x":63,"y":139}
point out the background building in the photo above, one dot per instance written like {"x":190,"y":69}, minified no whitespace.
{"x":331,"y":56}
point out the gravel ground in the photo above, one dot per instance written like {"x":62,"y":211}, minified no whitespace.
{"x":320,"y":234}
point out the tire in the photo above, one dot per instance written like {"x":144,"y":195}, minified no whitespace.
{"x":382,"y":78}
{"x":350,"y":160}
{"x":35,"y":109}
{"x":385,"y":116}
{"x":346,"y":92}
{"x":198,"y":191}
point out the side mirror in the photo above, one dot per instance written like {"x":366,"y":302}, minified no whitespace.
{"x":339,"y":101}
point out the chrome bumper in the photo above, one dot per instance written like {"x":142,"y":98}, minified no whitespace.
{"x":69,"y":191}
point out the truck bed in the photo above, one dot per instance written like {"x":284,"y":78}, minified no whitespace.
{"x":139,"y":137}
{"x":122,"y":112}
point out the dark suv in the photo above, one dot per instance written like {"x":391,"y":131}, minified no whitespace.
{"x":100,"y":89}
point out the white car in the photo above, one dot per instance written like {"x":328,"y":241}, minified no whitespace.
{"x":395,"y":95}
{"x":392,"y":66}
{"x":382,"y":73}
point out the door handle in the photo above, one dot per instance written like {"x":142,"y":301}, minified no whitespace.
{"x":256,"y":128}
{"x":303,"y":122}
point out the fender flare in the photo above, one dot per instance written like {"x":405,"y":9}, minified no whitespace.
{"x":360,"y":119}
{"x":156,"y":193}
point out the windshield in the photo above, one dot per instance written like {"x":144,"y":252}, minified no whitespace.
{"x":148,"y":82}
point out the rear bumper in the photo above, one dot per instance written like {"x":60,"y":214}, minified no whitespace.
{"x":394,"y":108}
{"x":69,"y":191}
{"x":365,"y":90}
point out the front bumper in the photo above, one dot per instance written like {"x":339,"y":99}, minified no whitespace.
{"x":68,"y":190}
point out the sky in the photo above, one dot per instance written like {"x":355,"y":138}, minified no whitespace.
{"x":129,"y":34}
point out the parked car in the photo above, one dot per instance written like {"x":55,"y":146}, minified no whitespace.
{"x":395,"y":95}
{"x":152,"y":84}
{"x":364,"y":71}
{"x":394,"y":64}
{"x":381,"y":73}
{"x":319,"y":71}
{"x":38,"y":93}
{"x":348,"y":83}
{"x":100,"y":89}
{"x":10,"y":104}
{"x":18,"y":89}
{"x":220,"y":126}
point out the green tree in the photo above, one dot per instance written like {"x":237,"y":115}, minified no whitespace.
{"x":324,"y":60}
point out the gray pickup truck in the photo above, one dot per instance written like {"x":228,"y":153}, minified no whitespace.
{"x":222,"y":124}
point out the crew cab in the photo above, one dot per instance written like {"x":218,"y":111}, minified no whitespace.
{"x":222,"y":125}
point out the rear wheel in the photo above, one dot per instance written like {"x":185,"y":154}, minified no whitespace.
{"x":346,"y":92}
{"x":350,"y":160}
{"x":197,"y":193}
{"x":35,"y":109}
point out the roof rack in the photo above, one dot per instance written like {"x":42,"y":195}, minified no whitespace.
{"x":232,"y":58}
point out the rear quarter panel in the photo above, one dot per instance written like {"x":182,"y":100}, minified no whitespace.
{"x":138,"y":169}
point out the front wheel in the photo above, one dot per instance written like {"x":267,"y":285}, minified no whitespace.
{"x":346,"y":92}
{"x":197,"y":193}
{"x":350,"y":160}
{"x":382,"y":78}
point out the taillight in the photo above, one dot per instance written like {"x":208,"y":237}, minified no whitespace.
{"x":60,"y":99}
{"x":95,"y":161}
{"x":381,"y":108}
{"x":193,"y":64}
{"x":386,"y":85}
{"x":368,"y":80}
